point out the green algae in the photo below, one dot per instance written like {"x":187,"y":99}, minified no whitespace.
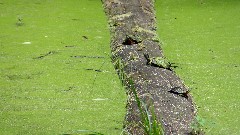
{"x":202,"y":38}
{"x":46,"y":90}
{"x":45,"y":87}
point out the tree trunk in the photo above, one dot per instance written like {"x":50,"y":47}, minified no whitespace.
{"x":135,"y":47}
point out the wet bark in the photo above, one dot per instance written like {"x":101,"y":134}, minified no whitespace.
{"x":133,"y":29}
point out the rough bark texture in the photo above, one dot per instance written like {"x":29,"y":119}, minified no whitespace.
{"x":133,"y":29}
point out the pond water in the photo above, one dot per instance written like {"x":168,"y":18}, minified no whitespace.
{"x":57,"y":77}
{"x":56,"y":74}
{"x":202,"y":37}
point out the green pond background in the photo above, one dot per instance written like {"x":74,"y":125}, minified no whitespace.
{"x":56,"y":76}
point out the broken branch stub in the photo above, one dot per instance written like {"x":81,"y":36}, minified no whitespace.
{"x":133,"y":30}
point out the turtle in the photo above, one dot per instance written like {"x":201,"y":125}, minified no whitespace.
{"x":132,"y":39}
{"x":179,"y":91}
{"x":161,"y":62}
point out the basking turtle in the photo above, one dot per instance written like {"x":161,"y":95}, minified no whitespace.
{"x":179,"y":91}
{"x":158,"y":61}
{"x":132,"y":39}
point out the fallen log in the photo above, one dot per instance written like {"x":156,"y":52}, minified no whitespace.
{"x":155,"y":93}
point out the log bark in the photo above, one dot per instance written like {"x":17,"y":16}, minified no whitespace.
{"x":133,"y":29}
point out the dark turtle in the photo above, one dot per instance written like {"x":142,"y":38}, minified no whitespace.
{"x":132,"y":39}
{"x":180,"y":91}
{"x":158,"y":61}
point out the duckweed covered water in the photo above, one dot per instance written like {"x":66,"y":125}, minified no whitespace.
{"x":56,"y":79}
{"x":203,"y":38}
{"x":56,"y":75}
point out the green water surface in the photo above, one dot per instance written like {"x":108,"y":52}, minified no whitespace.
{"x":45,"y":89}
{"x":203,"y":38}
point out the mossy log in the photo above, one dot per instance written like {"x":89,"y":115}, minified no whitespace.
{"x":133,"y":30}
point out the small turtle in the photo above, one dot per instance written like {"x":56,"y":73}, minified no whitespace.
{"x":158,"y":61}
{"x":179,"y":91}
{"x":132,"y":39}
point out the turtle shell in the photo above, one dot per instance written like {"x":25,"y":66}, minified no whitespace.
{"x":160,"y":62}
{"x":180,"y":91}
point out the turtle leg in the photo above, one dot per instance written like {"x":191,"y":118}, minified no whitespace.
{"x":148,"y":59}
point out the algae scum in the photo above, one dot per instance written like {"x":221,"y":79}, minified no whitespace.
{"x":203,"y":39}
{"x":57,"y":78}
{"x":56,"y":74}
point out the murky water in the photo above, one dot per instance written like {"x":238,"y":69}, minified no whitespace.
{"x":56,"y":75}
{"x":202,"y":37}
